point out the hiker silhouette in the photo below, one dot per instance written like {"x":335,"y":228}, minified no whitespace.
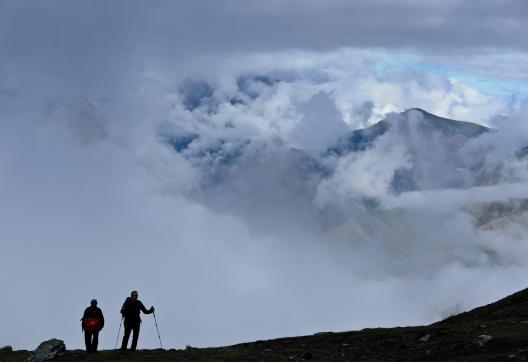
{"x":91,"y":323}
{"x":130,"y":311}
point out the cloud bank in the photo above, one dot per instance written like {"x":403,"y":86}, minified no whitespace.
{"x":191,"y":187}
{"x":192,"y":163}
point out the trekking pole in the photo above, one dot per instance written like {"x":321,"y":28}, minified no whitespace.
{"x":118,"y":331}
{"x":156,"y":322}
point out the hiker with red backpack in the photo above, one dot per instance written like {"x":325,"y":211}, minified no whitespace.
{"x":130,"y":311}
{"x":92,"y":322}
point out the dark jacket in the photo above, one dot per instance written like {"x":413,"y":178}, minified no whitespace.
{"x":93,"y":311}
{"x":130,"y":310}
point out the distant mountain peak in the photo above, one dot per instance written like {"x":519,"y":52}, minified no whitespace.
{"x":360,"y":139}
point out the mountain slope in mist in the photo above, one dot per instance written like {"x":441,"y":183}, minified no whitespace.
{"x":438,"y":153}
{"x":267,"y":183}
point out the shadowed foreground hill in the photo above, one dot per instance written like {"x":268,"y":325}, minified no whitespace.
{"x":496,"y":332}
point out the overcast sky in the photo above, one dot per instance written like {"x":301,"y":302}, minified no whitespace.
{"x":100,"y":47}
{"x":169,"y":28}
{"x":94,"y":204}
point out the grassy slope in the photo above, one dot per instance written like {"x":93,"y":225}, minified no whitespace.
{"x":454,"y":339}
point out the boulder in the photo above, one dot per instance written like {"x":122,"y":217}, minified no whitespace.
{"x":48,"y":350}
{"x":425,"y":338}
{"x":483,"y":339}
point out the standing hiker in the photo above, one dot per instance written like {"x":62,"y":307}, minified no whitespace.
{"x":91,"y":323}
{"x":130,"y":312}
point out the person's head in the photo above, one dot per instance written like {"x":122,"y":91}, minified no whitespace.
{"x":93,"y":302}
{"x":134,"y":295}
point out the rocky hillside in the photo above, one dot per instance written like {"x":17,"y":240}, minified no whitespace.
{"x":496,"y":332}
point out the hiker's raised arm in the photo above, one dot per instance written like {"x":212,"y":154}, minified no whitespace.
{"x":145,"y":310}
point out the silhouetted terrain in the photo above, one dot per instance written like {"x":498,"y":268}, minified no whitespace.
{"x":495,"y":332}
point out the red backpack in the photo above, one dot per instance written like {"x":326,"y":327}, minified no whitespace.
{"x":92,"y":324}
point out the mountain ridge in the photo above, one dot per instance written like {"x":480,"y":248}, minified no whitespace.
{"x":357,"y":140}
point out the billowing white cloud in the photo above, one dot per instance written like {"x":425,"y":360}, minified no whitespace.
{"x":365,"y":174}
{"x":321,"y":124}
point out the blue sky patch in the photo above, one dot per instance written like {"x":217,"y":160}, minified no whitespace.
{"x":515,"y":91}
